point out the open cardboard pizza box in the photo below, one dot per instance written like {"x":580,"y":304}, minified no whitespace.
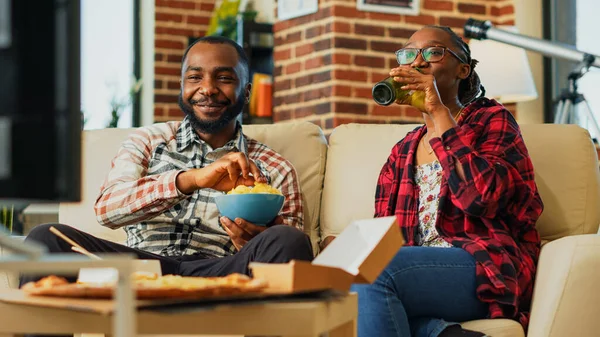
{"x":358,"y":255}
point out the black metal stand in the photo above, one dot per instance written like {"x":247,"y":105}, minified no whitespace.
{"x":570,"y":100}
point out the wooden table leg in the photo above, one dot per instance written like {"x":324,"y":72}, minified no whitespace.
{"x":344,"y":330}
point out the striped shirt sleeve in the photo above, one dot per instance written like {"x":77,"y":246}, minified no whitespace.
{"x":128,"y":195}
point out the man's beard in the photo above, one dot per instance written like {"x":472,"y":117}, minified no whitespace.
{"x":211,"y":127}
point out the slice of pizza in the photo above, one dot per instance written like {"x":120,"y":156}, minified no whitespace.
{"x":135,"y":277}
{"x":46,"y":282}
{"x":198,"y":287}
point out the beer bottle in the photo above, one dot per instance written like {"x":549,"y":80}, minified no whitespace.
{"x":389,"y":91}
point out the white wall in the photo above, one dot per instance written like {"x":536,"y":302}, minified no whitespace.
{"x":147,"y":58}
{"x":106,"y":59}
{"x":529,"y":22}
{"x":266,"y":10}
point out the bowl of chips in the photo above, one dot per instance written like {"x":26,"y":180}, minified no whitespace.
{"x":258,"y":204}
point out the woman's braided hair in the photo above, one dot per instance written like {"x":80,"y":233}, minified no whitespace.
{"x":470,"y":87}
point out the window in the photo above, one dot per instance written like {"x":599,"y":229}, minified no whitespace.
{"x":572,"y":23}
{"x":587,"y":41}
{"x":108,"y":57}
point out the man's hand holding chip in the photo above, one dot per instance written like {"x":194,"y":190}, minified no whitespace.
{"x":229,"y":171}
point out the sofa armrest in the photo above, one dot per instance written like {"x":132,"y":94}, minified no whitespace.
{"x":566,"y":298}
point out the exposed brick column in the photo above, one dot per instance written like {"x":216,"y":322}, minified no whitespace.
{"x":176,"y":22}
{"x":327,"y":62}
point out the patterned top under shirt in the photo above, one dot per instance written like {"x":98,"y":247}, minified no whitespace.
{"x":140,"y":192}
{"x":429,"y":179}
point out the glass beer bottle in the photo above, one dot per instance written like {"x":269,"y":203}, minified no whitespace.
{"x":389,"y":91}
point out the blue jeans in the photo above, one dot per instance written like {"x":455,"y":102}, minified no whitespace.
{"x":420,"y":293}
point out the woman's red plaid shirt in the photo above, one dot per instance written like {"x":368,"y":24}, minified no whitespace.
{"x":491,"y":214}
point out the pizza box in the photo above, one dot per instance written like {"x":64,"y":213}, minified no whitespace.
{"x":358,"y":255}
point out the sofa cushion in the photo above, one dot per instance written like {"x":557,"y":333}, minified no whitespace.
{"x":98,"y":148}
{"x":567,"y":176}
{"x":305,"y":146}
{"x":564,"y":158}
{"x":354,"y":159}
{"x":302,"y":143}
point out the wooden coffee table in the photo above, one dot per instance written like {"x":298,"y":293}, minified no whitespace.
{"x":282,"y":317}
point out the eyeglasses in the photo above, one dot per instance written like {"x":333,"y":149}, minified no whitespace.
{"x":429,"y":54}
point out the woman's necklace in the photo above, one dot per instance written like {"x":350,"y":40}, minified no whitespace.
{"x":425,"y":143}
{"x":458,"y":114}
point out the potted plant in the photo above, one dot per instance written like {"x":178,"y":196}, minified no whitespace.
{"x":225,"y":18}
{"x":7,"y":217}
{"x":118,"y":104}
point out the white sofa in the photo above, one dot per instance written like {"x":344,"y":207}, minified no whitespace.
{"x":338,"y":182}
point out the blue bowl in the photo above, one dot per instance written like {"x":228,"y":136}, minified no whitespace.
{"x":257,"y":208}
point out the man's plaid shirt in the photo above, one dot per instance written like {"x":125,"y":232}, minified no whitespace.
{"x":140,"y":193}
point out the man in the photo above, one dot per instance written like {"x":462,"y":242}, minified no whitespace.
{"x":164,"y":178}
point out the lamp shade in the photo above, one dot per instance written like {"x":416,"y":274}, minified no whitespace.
{"x":504,"y":70}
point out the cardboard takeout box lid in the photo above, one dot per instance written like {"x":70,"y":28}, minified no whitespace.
{"x":358,"y":255}
{"x":364,"y":248}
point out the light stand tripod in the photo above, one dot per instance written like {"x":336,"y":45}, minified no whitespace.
{"x":570,"y":99}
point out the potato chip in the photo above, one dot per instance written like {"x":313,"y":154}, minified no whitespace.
{"x":258,"y":188}
{"x":241,"y":189}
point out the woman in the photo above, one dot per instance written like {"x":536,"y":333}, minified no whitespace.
{"x":463,"y":190}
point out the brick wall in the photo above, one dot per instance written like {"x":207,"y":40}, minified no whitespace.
{"x":176,"y":21}
{"x":327,"y":62}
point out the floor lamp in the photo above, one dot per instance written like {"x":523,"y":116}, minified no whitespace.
{"x":504,"y":70}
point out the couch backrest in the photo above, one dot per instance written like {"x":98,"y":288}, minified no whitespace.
{"x":98,"y":148}
{"x":303,"y":144}
{"x":565,"y":161}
